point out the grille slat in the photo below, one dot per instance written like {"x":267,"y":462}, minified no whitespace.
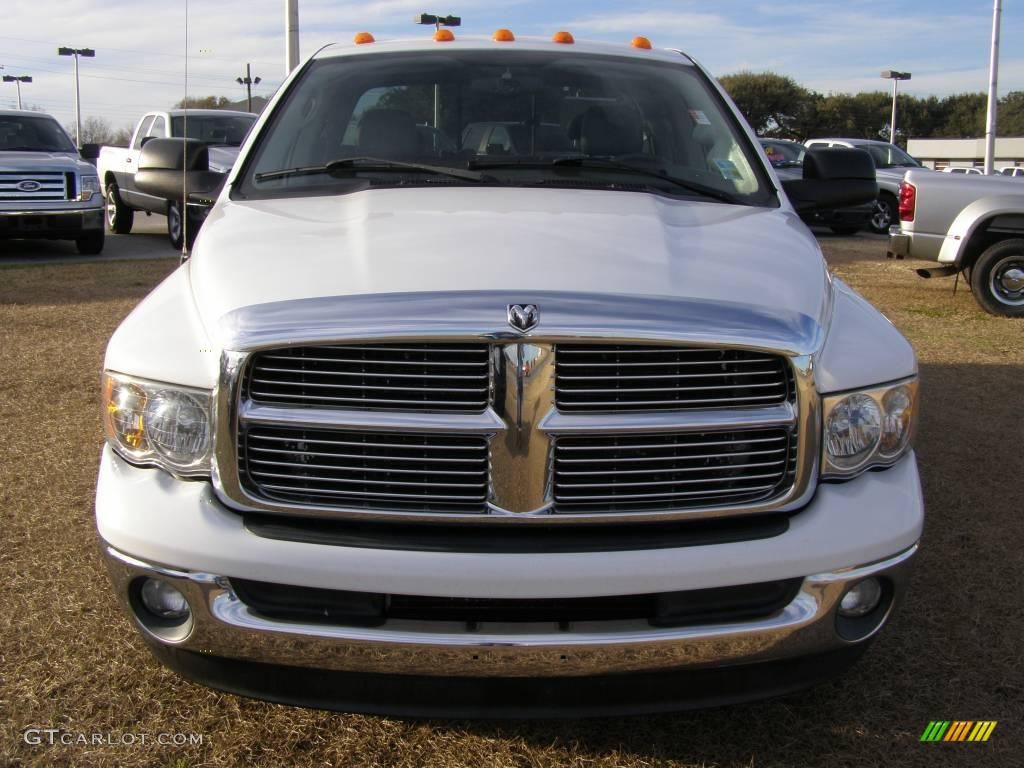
{"x":409,"y":377}
{"x":423,"y":472}
{"x":616,"y":377}
{"x":633,"y":471}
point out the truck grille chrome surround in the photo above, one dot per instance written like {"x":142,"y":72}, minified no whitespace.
{"x":372,"y":470}
{"x":620,"y":377}
{"x":522,"y":462}
{"x":676,"y":470}
{"x":403,"y":377}
{"x":35,"y":185}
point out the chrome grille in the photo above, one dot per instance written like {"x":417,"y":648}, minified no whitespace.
{"x":369,"y":470}
{"x":677,"y":471}
{"x":407,"y":377}
{"x":52,"y":185}
{"x":617,"y":377}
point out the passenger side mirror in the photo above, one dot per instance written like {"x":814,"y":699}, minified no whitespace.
{"x":833,"y":178}
{"x":178,"y":169}
{"x":89,"y":151}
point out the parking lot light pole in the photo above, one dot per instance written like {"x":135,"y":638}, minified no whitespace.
{"x":18,"y":81}
{"x":76,"y":52}
{"x":891,"y":74}
{"x":993,"y":92}
{"x":248,"y":81}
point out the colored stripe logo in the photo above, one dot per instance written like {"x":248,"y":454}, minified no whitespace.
{"x":958,"y":730}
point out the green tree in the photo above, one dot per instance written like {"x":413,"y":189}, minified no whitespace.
{"x":204,"y":102}
{"x":773,"y":104}
{"x":1010,"y":117}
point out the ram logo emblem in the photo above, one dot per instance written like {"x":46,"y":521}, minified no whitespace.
{"x":523,"y":317}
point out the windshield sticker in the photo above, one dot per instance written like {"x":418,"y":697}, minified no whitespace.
{"x":699,"y":117}
{"x":729,"y":170}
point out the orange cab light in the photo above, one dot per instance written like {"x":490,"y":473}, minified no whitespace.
{"x":504,"y":36}
{"x":563,"y":37}
{"x":443,"y":36}
{"x":362,"y":37}
{"x":641,"y":42}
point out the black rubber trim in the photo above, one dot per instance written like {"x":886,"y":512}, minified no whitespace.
{"x":282,"y":602}
{"x":525,"y":539}
{"x":508,"y":698}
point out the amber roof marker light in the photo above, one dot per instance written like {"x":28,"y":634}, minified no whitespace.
{"x":440,"y":35}
{"x":503,"y":36}
{"x":362,"y":38}
{"x":641,"y":42}
{"x":563,"y":37}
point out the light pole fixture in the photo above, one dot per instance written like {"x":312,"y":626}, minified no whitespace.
{"x":19,"y":80}
{"x":892,"y":74}
{"x":76,"y":52}
{"x":248,"y":81}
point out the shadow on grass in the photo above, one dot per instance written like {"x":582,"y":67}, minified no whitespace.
{"x":951,"y":652}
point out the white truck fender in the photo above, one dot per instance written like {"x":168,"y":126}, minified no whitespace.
{"x":969,"y":219}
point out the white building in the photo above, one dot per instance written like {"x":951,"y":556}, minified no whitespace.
{"x":941,"y":153}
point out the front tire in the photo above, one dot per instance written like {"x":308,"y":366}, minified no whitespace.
{"x":91,"y":243}
{"x":884,"y":214}
{"x":997,"y":278}
{"x":175,"y":225}
{"x":119,"y":215}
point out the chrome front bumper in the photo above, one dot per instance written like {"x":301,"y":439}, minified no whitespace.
{"x":223,"y":626}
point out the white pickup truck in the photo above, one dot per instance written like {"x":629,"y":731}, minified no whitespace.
{"x":972,"y":224}
{"x":570,"y":421}
{"x":222,"y":130}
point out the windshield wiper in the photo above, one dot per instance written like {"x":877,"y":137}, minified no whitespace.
{"x":348,"y":165}
{"x":611,"y":165}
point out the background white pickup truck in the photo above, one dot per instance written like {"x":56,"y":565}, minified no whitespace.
{"x":972,"y":224}
{"x":222,"y":129}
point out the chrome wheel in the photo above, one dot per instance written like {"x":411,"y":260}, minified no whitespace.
{"x":1007,"y":281}
{"x":882,"y":215}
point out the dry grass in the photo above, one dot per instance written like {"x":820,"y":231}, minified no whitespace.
{"x":69,"y":659}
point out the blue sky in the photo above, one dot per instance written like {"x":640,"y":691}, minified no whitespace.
{"x":828,"y":46}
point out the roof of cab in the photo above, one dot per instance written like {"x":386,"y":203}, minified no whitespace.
{"x":478,"y":42}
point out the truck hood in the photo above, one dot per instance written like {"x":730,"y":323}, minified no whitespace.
{"x":222,"y":158}
{"x":40,"y":161}
{"x":523,"y":243}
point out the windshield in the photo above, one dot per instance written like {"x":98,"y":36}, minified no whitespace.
{"x":890,"y":156}
{"x":527,"y":117}
{"x":33,"y":134}
{"x":229,"y":130}
{"x":784,"y":155}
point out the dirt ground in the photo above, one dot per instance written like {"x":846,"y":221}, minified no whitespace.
{"x":70,"y":660}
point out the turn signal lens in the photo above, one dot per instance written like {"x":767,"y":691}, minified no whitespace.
{"x":362,"y":38}
{"x":897,"y":418}
{"x":123,"y":414}
{"x":563,"y":37}
{"x":443,"y":36}
{"x":504,"y":36}
{"x":641,"y":42}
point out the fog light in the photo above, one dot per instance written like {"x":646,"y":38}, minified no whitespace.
{"x":861,"y":599}
{"x":164,"y":600}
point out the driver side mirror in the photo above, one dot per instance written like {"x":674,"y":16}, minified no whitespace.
{"x":178,"y":169}
{"x":833,"y":178}
{"x":89,"y":151}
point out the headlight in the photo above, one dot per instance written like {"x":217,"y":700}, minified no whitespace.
{"x":148,"y":422}
{"x":90,"y":186}
{"x":869,"y":428}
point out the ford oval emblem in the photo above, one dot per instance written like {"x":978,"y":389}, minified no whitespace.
{"x":29,"y":186}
